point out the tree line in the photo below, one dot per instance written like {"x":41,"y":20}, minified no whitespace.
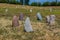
{"x":26,"y":2}
{"x":45,"y":4}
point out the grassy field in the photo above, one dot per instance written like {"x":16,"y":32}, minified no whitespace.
{"x":41,"y":30}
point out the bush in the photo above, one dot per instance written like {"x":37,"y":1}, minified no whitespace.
{"x":36,"y":4}
{"x":46,"y":4}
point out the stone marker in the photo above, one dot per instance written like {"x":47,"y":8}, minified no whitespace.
{"x":21,"y":16}
{"x":52,"y":19}
{"x":39,"y":17}
{"x":31,"y":10}
{"x":27,"y":25}
{"x":6,"y":10}
{"x":16,"y":6}
{"x":48,"y":19}
{"x":15,"y":21}
{"x":51,"y":10}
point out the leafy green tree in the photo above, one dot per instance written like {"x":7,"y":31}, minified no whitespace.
{"x":3,"y":1}
{"x":26,"y":2}
{"x":58,"y":4}
{"x":56,"y":1}
{"x":46,"y":4}
{"x":12,"y":1}
{"x":53,"y":3}
{"x":36,"y":4}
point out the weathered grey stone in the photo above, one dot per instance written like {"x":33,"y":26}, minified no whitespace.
{"x":52,"y":19}
{"x":15,"y":21}
{"x":39,"y":16}
{"x":51,"y":10}
{"x":6,"y":10}
{"x":27,"y":25}
{"x":31,"y":10}
{"x":16,"y":6}
{"x":48,"y":19}
{"x":21,"y":16}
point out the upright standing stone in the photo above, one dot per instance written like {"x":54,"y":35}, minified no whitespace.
{"x":31,"y":10}
{"x":6,"y":10}
{"x":16,"y":6}
{"x":21,"y":16}
{"x":51,"y":10}
{"x":48,"y":19}
{"x":15,"y":21}
{"x":39,"y":17}
{"x":52,"y":19}
{"x":27,"y":25}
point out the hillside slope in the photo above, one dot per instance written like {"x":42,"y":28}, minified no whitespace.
{"x":41,"y":30}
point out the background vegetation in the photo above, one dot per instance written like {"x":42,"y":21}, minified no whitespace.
{"x":26,"y":2}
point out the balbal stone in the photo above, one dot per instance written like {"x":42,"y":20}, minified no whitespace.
{"x":15,"y":21}
{"x":39,"y":16}
{"x":21,"y":16}
{"x":52,"y":19}
{"x":48,"y":19}
{"x":27,"y":25}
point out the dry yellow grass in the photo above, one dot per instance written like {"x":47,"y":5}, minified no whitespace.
{"x":41,"y":31}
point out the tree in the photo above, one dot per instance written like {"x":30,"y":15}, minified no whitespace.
{"x":12,"y":1}
{"x":56,"y":1}
{"x":53,"y":3}
{"x":36,"y":4}
{"x":46,"y":4}
{"x":5,"y":1}
{"x":21,"y":1}
{"x":26,"y":2}
{"x":58,"y":4}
